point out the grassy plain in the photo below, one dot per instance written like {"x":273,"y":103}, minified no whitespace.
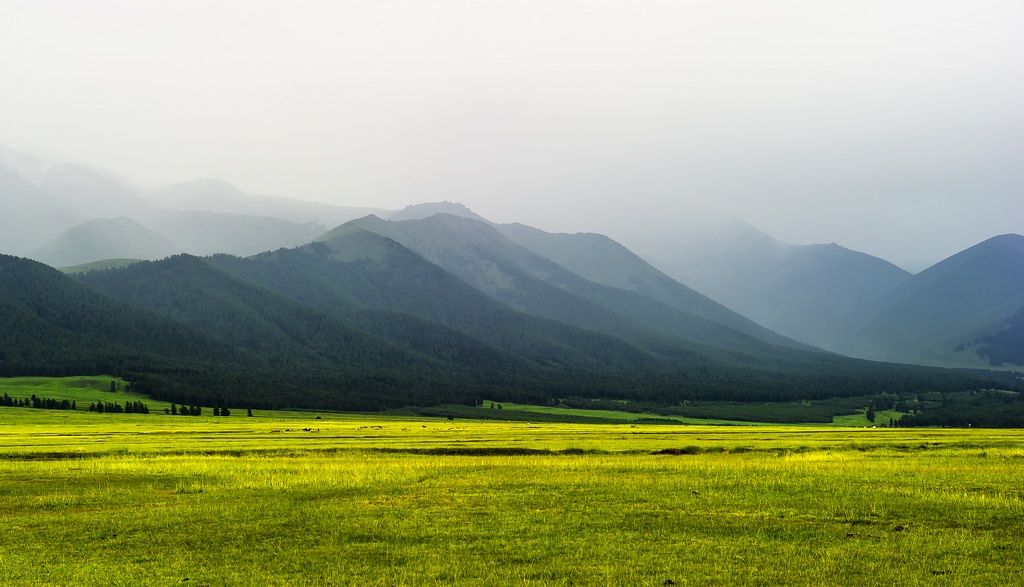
{"x":287,"y":499}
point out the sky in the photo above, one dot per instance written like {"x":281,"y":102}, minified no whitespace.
{"x":891,"y":127}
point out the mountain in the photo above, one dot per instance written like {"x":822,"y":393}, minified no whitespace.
{"x":190,"y":231}
{"x":52,"y":325}
{"x":300,"y":356}
{"x":185,"y":330}
{"x":805,"y":292}
{"x":103,"y":238}
{"x":92,"y":194}
{"x":55,"y":209}
{"x":599,"y":259}
{"x":950,"y":312}
{"x":388,"y":289}
{"x":761,"y":300}
{"x":206,"y":233}
{"x":30,"y":215}
{"x":421,"y":211}
{"x":478,"y":254}
{"x":960,"y":312}
{"x":216,"y":195}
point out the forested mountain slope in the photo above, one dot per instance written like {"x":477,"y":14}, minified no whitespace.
{"x":188,"y":332}
{"x":479,"y":255}
{"x":599,"y":259}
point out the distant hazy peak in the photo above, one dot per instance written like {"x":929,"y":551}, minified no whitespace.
{"x":421,"y":211}
{"x":1015,"y":241}
{"x":35,"y":167}
{"x":26,"y":166}
{"x":1007,"y":249}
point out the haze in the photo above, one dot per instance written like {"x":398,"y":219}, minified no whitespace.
{"x":894,"y":128}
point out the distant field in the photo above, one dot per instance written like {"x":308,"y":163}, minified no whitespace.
{"x":487,"y":412}
{"x":81,"y":389}
{"x":87,"y":390}
{"x":91,"y":390}
{"x":289,"y":499}
{"x":607,"y":414}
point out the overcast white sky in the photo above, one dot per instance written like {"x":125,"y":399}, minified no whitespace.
{"x":892,"y":127}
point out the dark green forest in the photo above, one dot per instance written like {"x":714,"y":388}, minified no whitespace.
{"x":302,"y":328}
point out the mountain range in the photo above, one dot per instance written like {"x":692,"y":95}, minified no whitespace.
{"x":849,"y":302}
{"x":256,"y":299}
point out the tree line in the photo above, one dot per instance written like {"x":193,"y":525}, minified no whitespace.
{"x":43,"y":403}
{"x":129,"y":407}
{"x":49,"y":403}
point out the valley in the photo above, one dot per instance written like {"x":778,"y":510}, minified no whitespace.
{"x":200,"y":293}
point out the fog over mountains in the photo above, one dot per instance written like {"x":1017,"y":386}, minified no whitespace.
{"x":718,"y":283}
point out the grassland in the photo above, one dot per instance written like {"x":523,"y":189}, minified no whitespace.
{"x":288,"y":499}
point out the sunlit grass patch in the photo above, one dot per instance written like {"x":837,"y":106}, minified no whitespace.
{"x":357,"y":500}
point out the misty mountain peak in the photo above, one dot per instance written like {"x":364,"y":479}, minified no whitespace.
{"x":421,"y":211}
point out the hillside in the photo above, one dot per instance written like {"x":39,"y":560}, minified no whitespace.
{"x":806,"y":292}
{"x":187,"y":332}
{"x":951,"y":311}
{"x":365,"y":277}
{"x":599,"y":259}
{"x":52,"y":325}
{"x":479,"y":255}
{"x":104,"y":238}
{"x":289,"y":338}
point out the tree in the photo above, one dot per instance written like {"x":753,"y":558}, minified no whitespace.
{"x":174,"y":410}
{"x":870,"y":413}
{"x":224,"y":412}
{"x":113,"y":386}
{"x":249,"y":413}
{"x":216,"y":411}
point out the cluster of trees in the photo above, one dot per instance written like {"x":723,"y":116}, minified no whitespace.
{"x":129,"y":407}
{"x":985,"y":409}
{"x":184,"y":410}
{"x":44,"y":403}
{"x":194,"y":410}
{"x":49,"y":403}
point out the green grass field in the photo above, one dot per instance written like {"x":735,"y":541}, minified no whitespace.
{"x":288,"y":499}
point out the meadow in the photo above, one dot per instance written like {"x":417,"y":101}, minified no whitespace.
{"x":336,"y":499}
